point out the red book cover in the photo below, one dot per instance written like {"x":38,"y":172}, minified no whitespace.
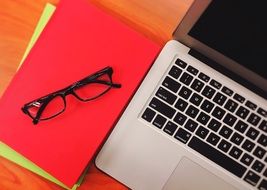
{"x":79,"y":40}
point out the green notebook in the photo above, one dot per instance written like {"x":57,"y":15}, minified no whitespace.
{"x":6,"y":151}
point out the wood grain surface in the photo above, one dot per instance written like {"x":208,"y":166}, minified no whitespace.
{"x":156,"y":19}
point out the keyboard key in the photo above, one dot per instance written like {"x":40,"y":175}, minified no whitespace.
{"x":202,"y":132}
{"x":180,"y":63}
{"x":263,"y":185}
{"x":242,"y":112}
{"x":239,"y":98}
{"x":231,"y":105}
{"x":204,"y":77}
{"x":148,"y":114}
{"x":265,"y":173}
{"x":215,"y":84}
{"x":254,"y":119}
{"x":257,"y":166}
{"x":192,"y":70}
{"x":208,"y":92}
{"x":227,"y":91}
{"x":162,"y":108}
{"x":166,"y":96}
{"x":263,"y":126}
{"x":213,"y":139}
{"x":237,"y":138}
{"x":197,"y":85}
{"x":263,"y":140}
{"x":182,"y":135}
{"x":207,"y":106}
{"x":224,"y":145}
{"x":262,"y":112}
{"x":181,"y":104}
{"x":192,"y":111}
{"x":246,"y":159}
{"x":225,"y":132}
{"x":214,"y":125}
{"x":185,"y":92}
{"x":259,"y":152}
{"x":186,"y":78}
{"x":248,"y":145}
{"x":241,"y":126}
{"x":203,"y":118}
{"x":252,"y":178}
{"x":159,"y":121}
{"x":180,"y":118}
{"x":175,"y":72}
{"x":235,"y":152}
{"x":219,"y":98}
{"x":196,"y":99}
{"x":170,"y":128}
{"x":251,"y":105}
{"x":217,"y":157}
{"x":218,"y":112}
{"x":252,"y":133}
{"x":171,"y":84}
{"x":191,"y":125}
{"x":229,"y":119}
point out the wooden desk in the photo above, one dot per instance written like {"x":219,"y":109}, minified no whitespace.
{"x":155,"y":19}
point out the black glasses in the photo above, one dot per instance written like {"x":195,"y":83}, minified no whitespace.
{"x":87,"y":89}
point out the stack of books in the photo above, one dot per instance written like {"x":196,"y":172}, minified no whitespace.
{"x":6,"y":151}
{"x":70,"y":42}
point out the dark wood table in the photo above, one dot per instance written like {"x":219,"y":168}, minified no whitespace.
{"x":155,"y":19}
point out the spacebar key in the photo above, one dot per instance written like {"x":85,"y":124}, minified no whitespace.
{"x":217,"y":157}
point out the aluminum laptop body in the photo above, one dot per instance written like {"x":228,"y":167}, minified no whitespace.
{"x":198,"y":120}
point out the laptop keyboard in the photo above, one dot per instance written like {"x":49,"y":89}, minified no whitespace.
{"x":213,"y":120}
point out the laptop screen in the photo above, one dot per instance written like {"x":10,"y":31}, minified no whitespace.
{"x":236,"y":30}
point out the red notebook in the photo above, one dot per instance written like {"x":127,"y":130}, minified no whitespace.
{"x":79,"y":40}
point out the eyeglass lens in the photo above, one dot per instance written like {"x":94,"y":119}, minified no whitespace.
{"x":94,"y":89}
{"x":53,"y":107}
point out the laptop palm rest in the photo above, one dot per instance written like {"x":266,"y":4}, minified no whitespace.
{"x":188,"y":175}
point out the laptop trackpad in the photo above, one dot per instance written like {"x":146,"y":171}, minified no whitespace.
{"x":188,"y":175}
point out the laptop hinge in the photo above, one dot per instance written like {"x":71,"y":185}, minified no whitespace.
{"x":228,"y":73}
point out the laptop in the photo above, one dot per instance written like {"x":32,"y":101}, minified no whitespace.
{"x":198,"y":120}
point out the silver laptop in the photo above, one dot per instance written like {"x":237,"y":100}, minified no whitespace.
{"x":198,"y":120}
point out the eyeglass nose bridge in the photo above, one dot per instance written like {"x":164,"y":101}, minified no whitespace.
{"x":70,"y":91}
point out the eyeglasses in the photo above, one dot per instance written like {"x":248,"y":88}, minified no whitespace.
{"x":85,"y":90}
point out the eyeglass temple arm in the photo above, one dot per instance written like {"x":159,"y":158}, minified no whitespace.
{"x":93,"y":78}
{"x":107,"y":70}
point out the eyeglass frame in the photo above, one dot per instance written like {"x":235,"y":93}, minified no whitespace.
{"x":93,"y":78}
